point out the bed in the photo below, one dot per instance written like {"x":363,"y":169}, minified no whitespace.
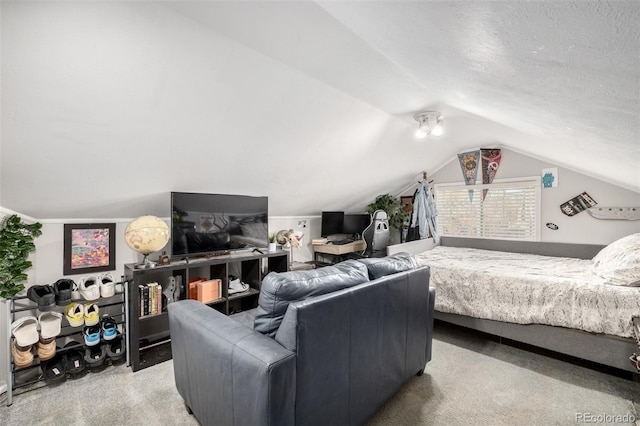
{"x":575,"y":299}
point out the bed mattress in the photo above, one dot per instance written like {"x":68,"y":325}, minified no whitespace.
{"x":529,"y":289}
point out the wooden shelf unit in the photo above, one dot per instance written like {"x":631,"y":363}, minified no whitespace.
{"x":149,"y":337}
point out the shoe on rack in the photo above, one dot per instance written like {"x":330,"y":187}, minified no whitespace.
{"x":91,"y":314}
{"x":22,"y":356}
{"x":109,"y":327}
{"x":91,"y":335}
{"x":50,"y":324}
{"x":46,"y":348}
{"x":89,"y":288}
{"x":74,"y":358}
{"x":43,"y":296}
{"x":116,"y":348}
{"x":107,"y":285}
{"x":74,"y":312}
{"x":62,"y":290}
{"x":75,"y":292}
{"x":54,"y":370}
{"x":237,"y":286}
{"x":25,"y":330}
{"x":95,"y":355}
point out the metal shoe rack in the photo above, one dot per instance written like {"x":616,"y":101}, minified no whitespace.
{"x":115,"y":306}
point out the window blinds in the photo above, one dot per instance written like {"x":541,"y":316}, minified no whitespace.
{"x":509,"y":211}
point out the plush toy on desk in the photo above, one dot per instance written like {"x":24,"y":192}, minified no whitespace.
{"x":288,"y":236}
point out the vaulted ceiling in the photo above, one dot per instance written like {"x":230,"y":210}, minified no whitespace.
{"x":109,"y":106}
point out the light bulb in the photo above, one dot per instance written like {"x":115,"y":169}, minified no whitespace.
{"x":422,"y":132}
{"x":437,"y":130}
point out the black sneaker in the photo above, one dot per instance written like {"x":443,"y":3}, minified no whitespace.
{"x":74,"y":358}
{"x":43,"y":296}
{"x":116,"y":348}
{"x":54,"y":370}
{"x":95,"y":355}
{"x":62,"y":290}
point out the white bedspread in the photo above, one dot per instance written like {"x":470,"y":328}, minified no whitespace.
{"x":529,"y":289}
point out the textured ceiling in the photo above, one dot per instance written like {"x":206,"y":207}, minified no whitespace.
{"x":107,"y":107}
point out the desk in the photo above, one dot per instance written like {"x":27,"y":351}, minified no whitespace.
{"x":338,"y":250}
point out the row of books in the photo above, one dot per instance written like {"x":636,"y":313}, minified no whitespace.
{"x":201,"y":289}
{"x":150,"y":297}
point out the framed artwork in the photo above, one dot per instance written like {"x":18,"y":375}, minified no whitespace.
{"x":89,"y":248}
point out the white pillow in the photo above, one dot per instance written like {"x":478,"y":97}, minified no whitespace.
{"x":619,"y":262}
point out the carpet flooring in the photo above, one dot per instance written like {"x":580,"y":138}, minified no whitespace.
{"x":472,"y":379}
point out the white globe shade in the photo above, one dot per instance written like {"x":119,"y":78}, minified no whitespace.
{"x":147,"y":234}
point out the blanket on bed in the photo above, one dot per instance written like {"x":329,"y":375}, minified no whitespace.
{"x":529,"y":289}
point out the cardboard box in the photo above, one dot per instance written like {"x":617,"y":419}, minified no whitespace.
{"x":208,"y":291}
{"x":193,"y":287}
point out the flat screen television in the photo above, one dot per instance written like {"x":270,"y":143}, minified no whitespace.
{"x":207,"y":224}
{"x":332,"y":223}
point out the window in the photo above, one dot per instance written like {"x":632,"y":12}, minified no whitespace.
{"x":509,"y":211}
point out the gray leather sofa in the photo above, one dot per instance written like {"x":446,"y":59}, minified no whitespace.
{"x":345,"y":339}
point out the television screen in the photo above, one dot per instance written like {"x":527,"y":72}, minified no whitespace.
{"x":332,"y":223}
{"x":210,"y":223}
{"x":355,"y":224}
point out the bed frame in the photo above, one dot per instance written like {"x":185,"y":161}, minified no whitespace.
{"x":612,"y":351}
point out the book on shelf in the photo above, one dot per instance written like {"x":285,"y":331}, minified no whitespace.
{"x":150,"y":297}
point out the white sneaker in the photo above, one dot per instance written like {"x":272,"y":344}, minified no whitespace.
{"x":107,"y":285}
{"x":75,"y":292}
{"x":237,"y":286}
{"x":89,"y":288}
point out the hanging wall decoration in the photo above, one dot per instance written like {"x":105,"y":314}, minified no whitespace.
{"x":469,"y":166}
{"x":550,"y":177}
{"x":577,"y":204}
{"x":490,"y":162}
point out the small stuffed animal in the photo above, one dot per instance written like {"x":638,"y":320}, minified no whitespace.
{"x":287,"y":236}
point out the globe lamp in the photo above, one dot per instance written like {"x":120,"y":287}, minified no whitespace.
{"x":146,"y":234}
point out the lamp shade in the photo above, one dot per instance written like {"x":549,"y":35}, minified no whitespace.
{"x":147,"y":234}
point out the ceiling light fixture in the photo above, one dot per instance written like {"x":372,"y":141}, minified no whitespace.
{"x":429,"y":123}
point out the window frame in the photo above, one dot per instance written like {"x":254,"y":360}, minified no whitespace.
{"x":535,"y":181}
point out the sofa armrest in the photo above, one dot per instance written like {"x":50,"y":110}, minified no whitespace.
{"x":430,"y":318}
{"x":228,"y":373}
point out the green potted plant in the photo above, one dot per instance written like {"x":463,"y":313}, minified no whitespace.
{"x":272,"y":241}
{"x":16,"y":242}
{"x":397,"y":216}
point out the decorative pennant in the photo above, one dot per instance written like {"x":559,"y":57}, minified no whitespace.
{"x":490,"y":162}
{"x":469,"y":166}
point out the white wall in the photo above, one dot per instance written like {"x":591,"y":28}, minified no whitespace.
{"x":581,"y":228}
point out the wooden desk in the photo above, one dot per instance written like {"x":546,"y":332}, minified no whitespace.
{"x":338,"y":249}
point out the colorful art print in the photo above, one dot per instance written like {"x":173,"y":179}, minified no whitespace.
{"x":578,"y":204}
{"x":89,"y":248}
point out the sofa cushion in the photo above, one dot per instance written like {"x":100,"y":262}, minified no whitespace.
{"x":381,"y":266}
{"x":280,"y":289}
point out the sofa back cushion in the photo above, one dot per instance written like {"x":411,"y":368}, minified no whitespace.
{"x":280,"y":289}
{"x":382,"y":266}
